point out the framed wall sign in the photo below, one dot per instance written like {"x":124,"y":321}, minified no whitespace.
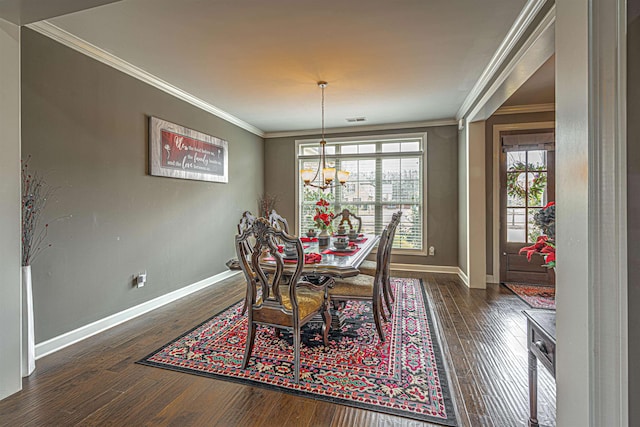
{"x":179,"y":152}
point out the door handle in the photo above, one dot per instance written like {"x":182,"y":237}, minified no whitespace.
{"x":504,"y":254}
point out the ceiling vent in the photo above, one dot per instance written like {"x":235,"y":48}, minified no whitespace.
{"x":356,"y":119}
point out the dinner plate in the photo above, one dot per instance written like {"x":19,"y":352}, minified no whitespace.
{"x":342,"y":250}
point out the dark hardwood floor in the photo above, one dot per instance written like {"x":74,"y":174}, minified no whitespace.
{"x":96,"y":382}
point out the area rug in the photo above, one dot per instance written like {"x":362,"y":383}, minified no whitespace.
{"x":537,"y":296}
{"x":403,"y":376}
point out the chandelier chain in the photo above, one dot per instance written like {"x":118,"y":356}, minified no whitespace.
{"x":323,"y":112}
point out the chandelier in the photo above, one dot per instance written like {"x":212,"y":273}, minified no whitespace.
{"x":328,"y":173}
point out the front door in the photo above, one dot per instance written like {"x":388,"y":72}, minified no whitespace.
{"x":527,"y":184}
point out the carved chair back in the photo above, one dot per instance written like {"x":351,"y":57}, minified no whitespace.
{"x":382,"y":256}
{"x":345,"y":216}
{"x":278,"y":221}
{"x":264,"y":236}
{"x":246,"y":221}
{"x":385,"y":268}
{"x":393,"y":225}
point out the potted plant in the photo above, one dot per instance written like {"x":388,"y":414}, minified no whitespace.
{"x":35,"y":192}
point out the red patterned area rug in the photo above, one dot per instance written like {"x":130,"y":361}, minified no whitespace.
{"x":537,"y":296}
{"x":403,"y":376}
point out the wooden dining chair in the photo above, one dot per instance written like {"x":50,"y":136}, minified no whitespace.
{"x":365,"y":288}
{"x":345,"y":216}
{"x":284,"y":304}
{"x":370,"y":268}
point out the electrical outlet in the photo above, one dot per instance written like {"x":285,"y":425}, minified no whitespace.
{"x":141,"y":279}
{"x":432,"y":251}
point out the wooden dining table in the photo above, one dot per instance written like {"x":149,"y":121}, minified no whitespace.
{"x":334,"y":265}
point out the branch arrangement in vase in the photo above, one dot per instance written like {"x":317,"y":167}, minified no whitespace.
{"x":35,"y":192}
{"x":266,"y":203}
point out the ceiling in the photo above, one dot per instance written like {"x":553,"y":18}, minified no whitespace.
{"x":389,"y":61}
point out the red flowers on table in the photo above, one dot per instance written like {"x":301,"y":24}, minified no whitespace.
{"x":324,"y":215}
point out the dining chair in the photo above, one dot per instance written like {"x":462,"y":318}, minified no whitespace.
{"x":284,"y":304}
{"x":345,"y":216}
{"x":370,"y":268}
{"x":365,"y":288}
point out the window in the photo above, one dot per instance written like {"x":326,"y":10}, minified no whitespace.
{"x":527,"y":192}
{"x":386,"y":176}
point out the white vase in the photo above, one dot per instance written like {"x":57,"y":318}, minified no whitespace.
{"x":28,"y":336}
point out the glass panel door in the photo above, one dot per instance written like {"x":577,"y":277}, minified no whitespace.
{"x":527,"y":185}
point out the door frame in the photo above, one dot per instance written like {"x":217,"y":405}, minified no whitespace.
{"x":494,"y":277}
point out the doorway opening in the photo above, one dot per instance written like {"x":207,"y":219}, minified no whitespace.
{"x":527,"y":185}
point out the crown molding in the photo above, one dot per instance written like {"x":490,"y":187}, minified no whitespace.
{"x":538,"y":47}
{"x":61,"y":36}
{"x":523,"y":109}
{"x":516,"y":32}
{"x":354,"y":129}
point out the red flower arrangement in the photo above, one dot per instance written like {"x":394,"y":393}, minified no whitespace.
{"x":324,"y":215}
{"x":545,"y":245}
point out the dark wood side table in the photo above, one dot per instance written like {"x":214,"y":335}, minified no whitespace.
{"x":541,"y":343}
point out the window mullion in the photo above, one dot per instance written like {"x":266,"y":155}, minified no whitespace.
{"x":378,"y":205}
{"x":338,"y":188}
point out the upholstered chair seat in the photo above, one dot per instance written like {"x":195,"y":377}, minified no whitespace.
{"x":309,"y":300}
{"x":360,"y":286}
{"x":368,"y":268}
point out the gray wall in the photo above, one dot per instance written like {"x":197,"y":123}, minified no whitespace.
{"x":633,"y":206}
{"x":85,"y":126}
{"x":10,"y":297}
{"x":442,"y":187}
{"x":500,"y":120}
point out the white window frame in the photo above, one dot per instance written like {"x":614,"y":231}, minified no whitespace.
{"x":373,"y":139}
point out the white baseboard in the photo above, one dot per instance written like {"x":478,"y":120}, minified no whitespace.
{"x":463,"y":276}
{"x":492,"y":279}
{"x":61,"y":341}
{"x":420,"y":268}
